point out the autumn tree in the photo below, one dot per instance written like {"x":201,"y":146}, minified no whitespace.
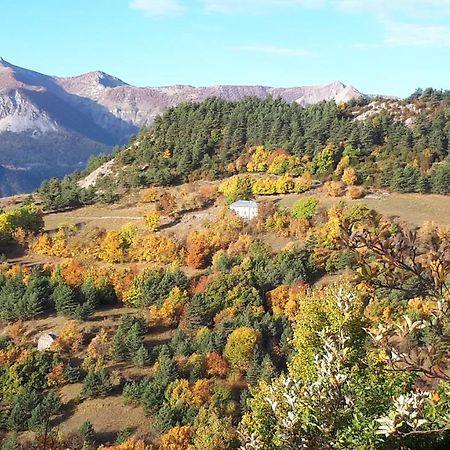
{"x":198,"y":251}
{"x":153,"y":220}
{"x":241,"y":344}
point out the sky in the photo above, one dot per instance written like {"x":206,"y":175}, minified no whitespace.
{"x":386,"y":47}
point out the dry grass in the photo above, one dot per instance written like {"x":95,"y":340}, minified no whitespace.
{"x":108,"y":217}
{"x":414,"y":209}
{"x":108,"y":415}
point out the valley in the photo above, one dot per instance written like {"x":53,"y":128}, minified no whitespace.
{"x":173,"y":322}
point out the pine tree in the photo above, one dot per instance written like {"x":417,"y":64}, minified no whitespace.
{"x":32,"y":304}
{"x":96,"y":383}
{"x":49,"y":406}
{"x":64,"y":299}
{"x":141,"y":357}
{"x":88,"y":433}
{"x":135,"y":339}
{"x":119,"y":345}
{"x":39,"y":282}
{"x":268,"y":370}
{"x":89,"y":294}
{"x":198,"y":313}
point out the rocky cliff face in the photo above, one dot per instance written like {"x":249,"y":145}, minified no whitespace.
{"x":51,"y":125}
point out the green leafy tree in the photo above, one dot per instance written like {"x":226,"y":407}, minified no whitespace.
{"x":305,"y":207}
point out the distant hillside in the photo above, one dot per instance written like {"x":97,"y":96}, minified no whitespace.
{"x":402,"y":146}
{"x":49,"y":126}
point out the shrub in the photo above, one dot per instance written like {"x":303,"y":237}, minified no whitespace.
{"x":355,"y":192}
{"x":153,"y":220}
{"x":305,"y":207}
{"x":334,"y":188}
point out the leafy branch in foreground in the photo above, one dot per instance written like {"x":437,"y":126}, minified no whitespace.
{"x":348,"y":403}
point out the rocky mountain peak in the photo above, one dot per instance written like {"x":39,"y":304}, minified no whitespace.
{"x":94,"y":78}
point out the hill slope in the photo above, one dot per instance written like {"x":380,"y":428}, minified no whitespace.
{"x":49,"y":126}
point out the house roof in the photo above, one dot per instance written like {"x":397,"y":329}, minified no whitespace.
{"x":244,"y":204}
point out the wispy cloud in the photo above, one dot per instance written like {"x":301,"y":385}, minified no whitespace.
{"x":389,"y":8}
{"x":414,"y":35}
{"x":273,"y":50}
{"x":237,"y":6}
{"x":403,"y":23}
{"x":158,"y":7}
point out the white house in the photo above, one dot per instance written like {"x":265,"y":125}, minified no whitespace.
{"x":46,"y":340}
{"x":247,"y":209}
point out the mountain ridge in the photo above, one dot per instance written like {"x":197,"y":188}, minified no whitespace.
{"x":77,"y":116}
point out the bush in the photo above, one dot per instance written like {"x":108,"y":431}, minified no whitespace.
{"x":305,"y":207}
{"x":334,"y":188}
{"x":355,"y":192}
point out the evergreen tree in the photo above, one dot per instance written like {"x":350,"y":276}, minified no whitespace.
{"x":89,"y":294}
{"x":32,"y":304}
{"x":267,"y":370}
{"x":119,"y":345}
{"x":88,"y":433}
{"x":141,"y":357}
{"x":440,"y":180}
{"x":96,"y":383}
{"x":134,"y":339}
{"x":64,"y":299}
{"x":40,"y":417}
{"x":22,"y":407}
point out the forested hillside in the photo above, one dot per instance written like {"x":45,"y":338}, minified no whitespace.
{"x":209,"y":140}
{"x":173,"y":323}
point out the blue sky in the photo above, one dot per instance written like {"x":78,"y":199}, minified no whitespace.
{"x":379,"y":46}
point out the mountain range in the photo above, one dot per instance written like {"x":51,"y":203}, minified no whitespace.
{"x":49,"y":125}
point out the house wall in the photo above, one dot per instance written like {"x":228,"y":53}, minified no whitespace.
{"x":245,"y":212}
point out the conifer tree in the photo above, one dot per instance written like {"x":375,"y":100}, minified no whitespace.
{"x":119,"y":345}
{"x":88,"y":433}
{"x":64,"y":299}
{"x":141,"y":357}
{"x":97,"y":383}
{"x":134,"y":339}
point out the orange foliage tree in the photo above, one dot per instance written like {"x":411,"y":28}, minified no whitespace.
{"x":177,"y":438}
{"x":198,"y":251}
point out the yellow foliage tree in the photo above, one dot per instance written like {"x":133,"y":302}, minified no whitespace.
{"x":153,"y":220}
{"x":334,"y":188}
{"x":349,"y":176}
{"x":177,"y":438}
{"x":43,"y":245}
{"x":342,"y":165}
{"x":111,"y":248}
{"x":154,"y":248}
{"x":279,"y":165}
{"x":355,"y":192}
{"x":285,"y":185}
{"x":70,"y":338}
{"x":264,"y":186}
{"x":170,"y":311}
{"x":241,"y":344}
{"x":150,"y":195}
{"x":258,"y":160}
{"x":303,"y":183}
